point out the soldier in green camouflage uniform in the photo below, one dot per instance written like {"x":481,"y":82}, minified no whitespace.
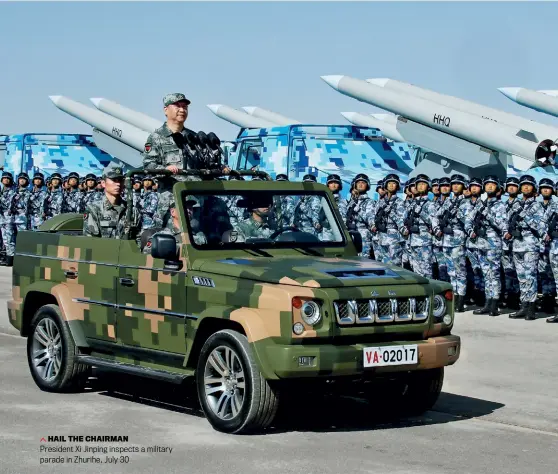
{"x":106,"y":217}
{"x":257,"y":225}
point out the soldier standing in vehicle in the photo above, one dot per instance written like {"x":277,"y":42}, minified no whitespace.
{"x":37,"y":202}
{"x":73,"y":197}
{"x":20,"y":203}
{"x":389,"y":215}
{"x":486,"y":224}
{"x":444,"y":190}
{"x":106,"y":217}
{"x":360,"y":211}
{"x":306,"y":213}
{"x":418,"y":228}
{"x":527,"y":225}
{"x":546,"y":190}
{"x":449,"y":224}
{"x":6,"y":216}
{"x":55,"y":196}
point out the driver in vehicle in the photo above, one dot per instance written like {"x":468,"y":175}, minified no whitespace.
{"x":260,"y":223}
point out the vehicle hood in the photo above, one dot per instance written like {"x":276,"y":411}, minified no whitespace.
{"x":314,"y":272}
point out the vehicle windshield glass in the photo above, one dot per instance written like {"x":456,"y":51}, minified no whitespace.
{"x":262,"y":219}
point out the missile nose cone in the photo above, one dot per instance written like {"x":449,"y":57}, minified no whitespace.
{"x":96,"y":101}
{"x":510,"y":92}
{"x":378,"y":82}
{"x":348,"y":115}
{"x":332,"y":81}
{"x":55,"y":98}
{"x":215,"y":107}
{"x":249,"y":110}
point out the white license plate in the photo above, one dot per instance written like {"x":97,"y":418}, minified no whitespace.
{"x":390,"y":355}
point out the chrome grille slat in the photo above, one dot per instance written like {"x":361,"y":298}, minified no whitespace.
{"x":382,"y":310}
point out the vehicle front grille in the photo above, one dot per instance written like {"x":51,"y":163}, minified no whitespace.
{"x":382,"y":310}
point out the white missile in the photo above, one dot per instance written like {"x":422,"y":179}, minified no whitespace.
{"x":392,"y":119}
{"x":137,"y":119}
{"x":551,"y":93}
{"x":492,"y":135}
{"x":540,"y":130}
{"x":388,"y":129}
{"x":236,"y":117}
{"x":532,"y":99}
{"x":270,"y":116}
{"x":112,"y":127}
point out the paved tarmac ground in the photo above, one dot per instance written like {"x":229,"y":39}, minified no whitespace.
{"x":498,"y":413}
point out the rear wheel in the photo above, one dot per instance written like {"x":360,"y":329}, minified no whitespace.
{"x":233,"y":394}
{"x":52,"y":353}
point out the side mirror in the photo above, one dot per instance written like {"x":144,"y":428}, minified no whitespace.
{"x":357,"y":240}
{"x":163,"y":246}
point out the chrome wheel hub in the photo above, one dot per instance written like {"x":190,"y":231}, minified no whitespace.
{"x":46,"y":350}
{"x":224,"y":382}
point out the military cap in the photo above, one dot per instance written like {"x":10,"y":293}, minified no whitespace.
{"x":445,"y":181}
{"x":147,"y":177}
{"x":236,"y":177}
{"x":256,"y":178}
{"x":113,"y":170}
{"x":191,"y":201}
{"x":137,"y":180}
{"x":333,"y":178}
{"x":174,"y":98}
{"x":361,"y":177}
{"x":475,"y":182}
{"x":422,"y":178}
{"x":90,"y":176}
{"x":309,"y":178}
{"x":7,"y":174}
{"x":281,"y":177}
{"x":391,"y":177}
{"x":458,"y":179}
{"x":38,"y":175}
{"x":512,"y":180}
{"x":546,"y":183}
{"x":56,"y":176}
{"x":411,"y":182}
{"x":435,"y":181}
{"x":526,"y":179}
{"x":492,"y":179}
{"x":23,"y":175}
{"x":73,"y":174}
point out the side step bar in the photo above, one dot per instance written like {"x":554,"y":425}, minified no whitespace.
{"x":133,"y":369}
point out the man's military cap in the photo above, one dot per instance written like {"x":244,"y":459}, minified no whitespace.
{"x":23,"y":175}
{"x":458,"y":179}
{"x":491,"y":179}
{"x":391,"y":177}
{"x":112,"y":171}
{"x":380,"y":184}
{"x":526,"y":179}
{"x":512,"y":180}
{"x":333,"y":178}
{"x":236,"y":177}
{"x":281,"y":177}
{"x":73,"y":174}
{"x":7,"y":174}
{"x":411,"y":182}
{"x":190,"y":201}
{"x":90,"y":176}
{"x":436,"y":182}
{"x":475,"y":182}
{"x":137,"y":180}
{"x":445,"y":181}
{"x":174,"y":98}
{"x":147,"y":177}
{"x":56,"y":176}
{"x":546,"y":183}
{"x":38,"y":175}
{"x":422,"y":178}
{"x":309,"y":178}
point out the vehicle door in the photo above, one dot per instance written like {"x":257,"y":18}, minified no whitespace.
{"x":151,"y":302}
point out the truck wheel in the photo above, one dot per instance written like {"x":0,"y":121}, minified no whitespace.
{"x":52,"y":353}
{"x":422,"y":391}
{"x":233,"y":394}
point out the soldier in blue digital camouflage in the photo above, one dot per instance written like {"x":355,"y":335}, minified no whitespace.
{"x":20,"y":203}
{"x":449,"y":224}
{"x":90,"y":193}
{"x":527,"y":225}
{"x":360,"y":212}
{"x":474,"y":187}
{"x":546,"y":280}
{"x":6,"y":217}
{"x":73,"y":197}
{"x":149,"y":204}
{"x":106,"y":217}
{"x":418,"y":228}
{"x":551,"y":238}
{"x":389,"y":216}
{"x":511,"y":283}
{"x":37,"y":202}
{"x":486,"y":224}
{"x":335,"y":185}
{"x":306,"y":212}
{"x":405,"y":244}
{"x":236,"y":214}
{"x":377,"y":253}
{"x":441,"y":189}
{"x":55,"y":198}
{"x":136,"y":192}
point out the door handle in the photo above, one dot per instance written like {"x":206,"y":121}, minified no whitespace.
{"x":127,"y":281}
{"x":70,"y":274}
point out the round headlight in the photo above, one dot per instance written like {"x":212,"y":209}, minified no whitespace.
{"x":439,"y":307}
{"x":298,"y":328}
{"x":310,"y":313}
{"x":447,"y":319}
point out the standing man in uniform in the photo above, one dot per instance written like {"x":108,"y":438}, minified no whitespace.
{"x":511,"y":283}
{"x":20,"y":203}
{"x":527,"y":225}
{"x":6,"y":218}
{"x":375,"y":238}
{"x":335,"y":185}
{"x":546,"y":190}
{"x":73,"y":196}
{"x":307,"y":210}
{"x":55,"y":196}
{"x":37,"y":202}
{"x":360,"y":212}
{"x":471,"y":201}
{"x":551,"y":238}
{"x":443,"y":192}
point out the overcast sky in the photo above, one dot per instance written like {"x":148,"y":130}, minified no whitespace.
{"x":270,"y":55}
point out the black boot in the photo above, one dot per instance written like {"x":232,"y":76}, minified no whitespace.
{"x":521,"y":313}
{"x":494,"y":308}
{"x":513,"y":301}
{"x":459,"y":304}
{"x":554,"y":319}
{"x":548,"y":304}
{"x":486,"y":308}
{"x":480,"y":298}
{"x":10,"y":261}
{"x":530,"y":316}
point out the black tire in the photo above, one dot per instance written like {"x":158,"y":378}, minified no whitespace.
{"x":422,"y":391}
{"x":259,"y":401}
{"x":70,"y":376}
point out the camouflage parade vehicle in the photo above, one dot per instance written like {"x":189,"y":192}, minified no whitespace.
{"x":251,"y":315}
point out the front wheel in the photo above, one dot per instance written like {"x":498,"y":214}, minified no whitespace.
{"x":422,"y":390}
{"x":52,"y":353}
{"x":233,"y":394}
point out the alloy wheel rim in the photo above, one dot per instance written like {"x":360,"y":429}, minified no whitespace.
{"x":46,"y":350}
{"x":224,"y":382}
